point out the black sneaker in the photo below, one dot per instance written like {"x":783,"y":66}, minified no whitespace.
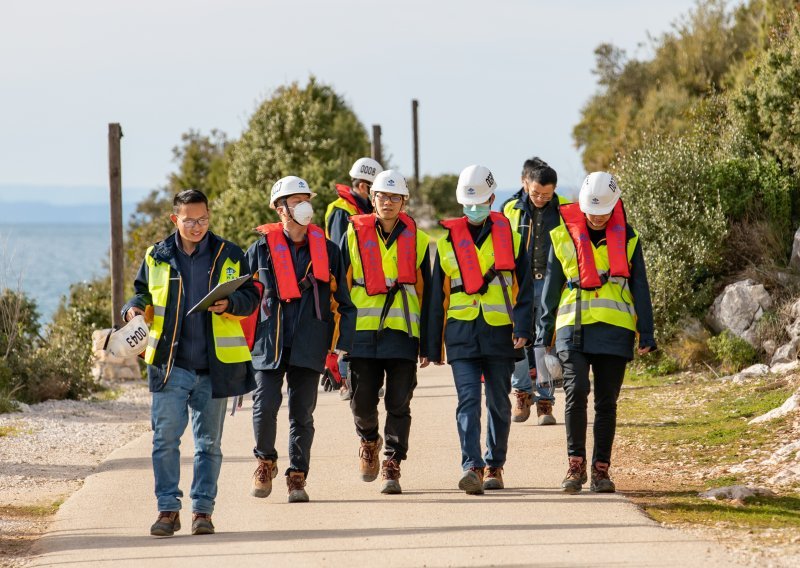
{"x":166,"y":524}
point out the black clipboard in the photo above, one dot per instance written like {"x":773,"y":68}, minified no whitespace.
{"x":220,"y":291}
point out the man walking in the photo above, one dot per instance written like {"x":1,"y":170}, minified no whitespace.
{"x":389,"y":274}
{"x":304,"y":292}
{"x":193,"y":360}
{"x":481,"y":304}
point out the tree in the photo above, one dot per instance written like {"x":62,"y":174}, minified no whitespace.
{"x":304,"y":131}
{"x":438,"y":193}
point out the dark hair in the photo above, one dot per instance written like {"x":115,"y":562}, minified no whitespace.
{"x":188,"y":196}
{"x":539,"y":171}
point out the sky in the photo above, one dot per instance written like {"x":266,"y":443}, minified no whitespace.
{"x":497,"y":81}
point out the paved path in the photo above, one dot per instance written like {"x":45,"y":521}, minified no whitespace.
{"x":348,"y":522}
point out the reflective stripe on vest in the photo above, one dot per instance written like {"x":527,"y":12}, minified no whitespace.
{"x":370,"y":307}
{"x":611,"y":303}
{"x":615,"y":244}
{"x":230,"y":344}
{"x":283,"y":265}
{"x":492,"y":303}
{"x":158,"y":285}
{"x":504,"y":253}
{"x":372,"y":263}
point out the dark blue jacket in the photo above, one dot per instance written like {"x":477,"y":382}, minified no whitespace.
{"x":313,"y":337}
{"x":476,"y":338}
{"x":227,"y":379}
{"x":551,"y":217}
{"x":339,"y":219}
{"x":599,"y":338}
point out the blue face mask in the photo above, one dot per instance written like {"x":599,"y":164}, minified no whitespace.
{"x":477,"y":213}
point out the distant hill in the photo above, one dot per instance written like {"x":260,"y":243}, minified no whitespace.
{"x":32,"y":212}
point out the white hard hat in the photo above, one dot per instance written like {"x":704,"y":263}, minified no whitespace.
{"x":286,"y":186}
{"x":599,"y":193}
{"x":475,"y":185}
{"x":390,"y":181}
{"x":366,"y":169}
{"x":129,"y":340}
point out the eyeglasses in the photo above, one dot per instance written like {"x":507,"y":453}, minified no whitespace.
{"x":190,"y":223}
{"x":541,"y":196}
{"x":388,"y":197}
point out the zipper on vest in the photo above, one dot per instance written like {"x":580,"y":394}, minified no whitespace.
{"x":278,"y":331}
{"x":175,"y":330}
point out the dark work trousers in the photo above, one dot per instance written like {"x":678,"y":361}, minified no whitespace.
{"x":609,"y":370}
{"x":401,"y":379}
{"x":302,"y":390}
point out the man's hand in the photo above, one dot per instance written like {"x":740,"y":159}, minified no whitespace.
{"x":423,"y":362}
{"x":219,"y":306}
{"x":519,"y":342}
{"x":643,"y":350}
{"x":133,"y":312}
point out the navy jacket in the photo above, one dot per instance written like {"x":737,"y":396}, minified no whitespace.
{"x":227,"y":379}
{"x":339,"y":219}
{"x":313,"y":337}
{"x":598,"y":338}
{"x":476,"y":338}
{"x":551,"y":217}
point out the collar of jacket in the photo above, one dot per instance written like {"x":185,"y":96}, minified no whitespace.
{"x":167,"y":250}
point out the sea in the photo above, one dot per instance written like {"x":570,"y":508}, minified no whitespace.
{"x":43,"y":260}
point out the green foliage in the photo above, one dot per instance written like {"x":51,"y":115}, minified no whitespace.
{"x":438,"y":193}
{"x":305,"y":131}
{"x":732,"y":352}
{"x":701,"y":55}
{"x":678,"y":214}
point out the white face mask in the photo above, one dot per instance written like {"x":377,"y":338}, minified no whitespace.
{"x":302,"y":213}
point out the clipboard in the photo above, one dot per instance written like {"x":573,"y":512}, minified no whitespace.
{"x":222,"y":290}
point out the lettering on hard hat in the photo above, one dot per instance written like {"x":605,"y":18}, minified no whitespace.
{"x":612,"y":185}
{"x":595,"y":201}
{"x":138,"y":335}
{"x":300,"y":184}
{"x":369,"y":170}
{"x":490,"y":180}
{"x":390,"y":183}
{"x":470,"y":191}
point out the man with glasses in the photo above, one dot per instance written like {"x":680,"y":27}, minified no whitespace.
{"x":533,"y":212}
{"x":194,"y":361}
{"x":351,"y":200}
{"x":388,"y":266}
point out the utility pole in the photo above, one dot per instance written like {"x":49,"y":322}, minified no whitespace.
{"x":377,"y":153}
{"x":414,"y":106}
{"x":115,"y":194}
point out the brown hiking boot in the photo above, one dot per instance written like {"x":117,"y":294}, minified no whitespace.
{"x":166,"y":524}
{"x":544,"y":412}
{"x":494,"y":478}
{"x":266,"y":471}
{"x":471,"y":481}
{"x":296,"y":483}
{"x":576,"y":475}
{"x":201,"y":523}
{"x":522,"y":406}
{"x":601,"y":482}
{"x":390,"y":473}
{"x":370,"y":459}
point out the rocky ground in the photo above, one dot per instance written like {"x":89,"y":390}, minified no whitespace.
{"x":47,"y":451}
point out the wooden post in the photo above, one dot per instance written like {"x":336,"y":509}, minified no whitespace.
{"x":414,"y":106}
{"x":377,"y":153}
{"x":115,"y":194}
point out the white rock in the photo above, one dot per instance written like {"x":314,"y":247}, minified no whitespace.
{"x":794,"y":311}
{"x":738,"y":309}
{"x":786,"y":353}
{"x":788,"y":476}
{"x":769,"y":346}
{"x":736,"y":492}
{"x":784,"y":367}
{"x":794,"y":260}
{"x":755,"y":370}
{"x":793,"y":329}
{"x":792,"y":403}
{"x":784,"y":453}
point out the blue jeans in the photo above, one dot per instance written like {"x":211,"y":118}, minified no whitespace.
{"x":497,"y":382}
{"x":302,"y":392}
{"x":187,"y":391}
{"x":521,"y":379}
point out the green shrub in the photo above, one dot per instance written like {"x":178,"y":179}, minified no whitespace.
{"x":733,"y":353}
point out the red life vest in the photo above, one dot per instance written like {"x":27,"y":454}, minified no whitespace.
{"x":616,"y":244}
{"x":282,"y":264}
{"x":467,"y":253}
{"x":368,"y":248}
{"x":346,"y":193}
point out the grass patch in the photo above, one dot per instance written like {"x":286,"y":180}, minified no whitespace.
{"x":106,"y":395}
{"x":31,"y":511}
{"x":8,"y":431}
